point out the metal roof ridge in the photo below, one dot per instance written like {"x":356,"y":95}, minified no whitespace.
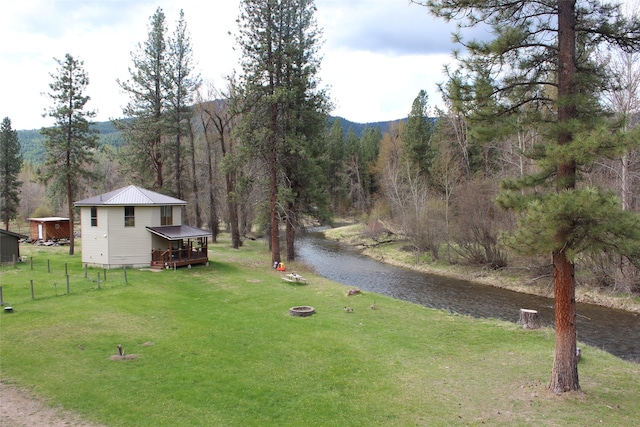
{"x":117,"y":193}
{"x":143,"y":192}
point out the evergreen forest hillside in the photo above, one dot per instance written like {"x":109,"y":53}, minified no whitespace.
{"x":33,"y":152}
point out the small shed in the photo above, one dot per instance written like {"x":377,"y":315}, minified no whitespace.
{"x":49,"y":228}
{"x":9,"y":246}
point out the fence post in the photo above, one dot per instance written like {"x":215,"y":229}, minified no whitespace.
{"x":98,"y":280}
{"x":86,"y":271}
{"x":68,"y":285}
{"x":31,"y":262}
{"x":32,"y":294}
{"x":124,"y":268}
{"x":104,"y":274}
{"x":66,"y":272}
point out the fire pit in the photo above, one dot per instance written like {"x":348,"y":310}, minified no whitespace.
{"x":302,"y":311}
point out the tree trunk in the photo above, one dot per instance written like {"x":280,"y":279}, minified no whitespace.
{"x":213,"y":214}
{"x":157,"y":162}
{"x":564,"y":376}
{"x":273,"y":186}
{"x":178,"y":168}
{"x":71,"y":219}
{"x":273,"y":213}
{"x":233,"y":210}
{"x":624,"y":270}
{"x":291,"y":233}
{"x":230,"y":181}
{"x":194,"y":182}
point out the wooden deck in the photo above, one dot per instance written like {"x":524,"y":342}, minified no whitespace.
{"x":170,"y":258}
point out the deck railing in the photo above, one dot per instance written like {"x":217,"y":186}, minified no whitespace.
{"x":178,"y":256}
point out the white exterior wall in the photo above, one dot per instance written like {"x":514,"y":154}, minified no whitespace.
{"x":95,"y":245}
{"x":177,"y":215}
{"x":112,"y":245}
{"x":130,"y":246}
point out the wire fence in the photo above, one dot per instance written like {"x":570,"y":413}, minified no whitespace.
{"x":40,"y":278}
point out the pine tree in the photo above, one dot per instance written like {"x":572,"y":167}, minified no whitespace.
{"x":145,"y":124}
{"x":417,"y":135}
{"x":70,"y":143}
{"x":334,"y":158}
{"x":279,"y":42}
{"x":183,"y":84}
{"x":10,"y":165}
{"x":540,"y":68}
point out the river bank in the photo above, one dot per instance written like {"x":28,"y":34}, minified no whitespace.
{"x":390,"y":252}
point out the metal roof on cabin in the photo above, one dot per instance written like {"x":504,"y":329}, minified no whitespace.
{"x":179,"y":232}
{"x":130,"y":196}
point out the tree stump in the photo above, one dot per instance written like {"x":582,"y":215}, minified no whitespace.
{"x":529,"y":319}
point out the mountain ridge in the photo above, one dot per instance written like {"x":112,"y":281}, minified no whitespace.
{"x":33,"y":151}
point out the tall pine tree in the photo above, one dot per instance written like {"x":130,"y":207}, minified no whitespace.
{"x":145,"y":124}
{"x":539,"y":67}
{"x":10,"y":165}
{"x":417,"y":135}
{"x":70,"y":143}
{"x":182,"y":87}
{"x":285,"y":119}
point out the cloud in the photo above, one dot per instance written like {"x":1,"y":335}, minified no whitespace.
{"x":377,"y":54}
{"x":390,"y":27}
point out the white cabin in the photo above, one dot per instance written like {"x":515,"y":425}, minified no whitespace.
{"x":135,"y":227}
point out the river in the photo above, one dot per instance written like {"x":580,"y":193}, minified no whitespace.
{"x":615,"y":331}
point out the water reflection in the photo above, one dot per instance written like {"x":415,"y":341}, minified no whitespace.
{"x":615,"y":331}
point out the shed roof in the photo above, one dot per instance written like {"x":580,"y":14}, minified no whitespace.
{"x":179,"y":232}
{"x":49,"y":219}
{"x":130,"y":196}
{"x":11,"y":233}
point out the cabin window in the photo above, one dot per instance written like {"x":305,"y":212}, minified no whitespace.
{"x":129,"y":216}
{"x":166,"y":215}
{"x":94,"y":216}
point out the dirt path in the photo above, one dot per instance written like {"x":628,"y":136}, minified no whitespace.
{"x":19,"y":408}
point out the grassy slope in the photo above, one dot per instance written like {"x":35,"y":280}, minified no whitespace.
{"x":226,"y":352}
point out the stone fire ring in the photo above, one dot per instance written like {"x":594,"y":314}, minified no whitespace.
{"x":302,"y":311}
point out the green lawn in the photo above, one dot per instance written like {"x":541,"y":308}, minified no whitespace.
{"x":215,"y":346}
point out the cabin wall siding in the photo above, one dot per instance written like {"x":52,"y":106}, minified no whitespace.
{"x":111,"y":244}
{"x":130,"y":245}
{"x":177,"y":215}
{"x":95,"y":240}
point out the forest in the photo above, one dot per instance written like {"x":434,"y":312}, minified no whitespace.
{"x":32,"y":149}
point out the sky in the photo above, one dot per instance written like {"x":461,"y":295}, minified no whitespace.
{"x":376,"y":54}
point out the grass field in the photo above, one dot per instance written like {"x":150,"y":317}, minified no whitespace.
{"x":215,"y":346}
